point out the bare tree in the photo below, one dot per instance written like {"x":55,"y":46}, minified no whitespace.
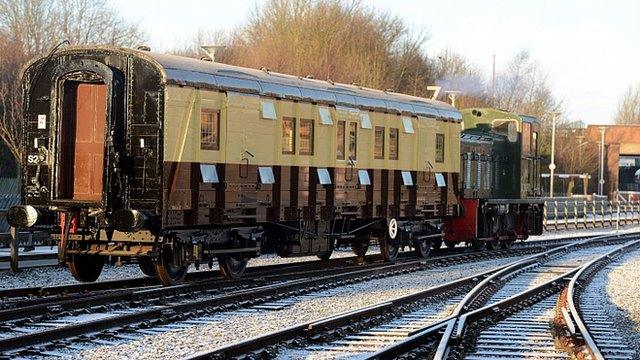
{"x":454,"y":72}
{"x":29,"y":28}
{"x":329,"y":39}
{"x":628,"y":111}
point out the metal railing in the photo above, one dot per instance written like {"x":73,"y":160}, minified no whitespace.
{"x":566,"y":214}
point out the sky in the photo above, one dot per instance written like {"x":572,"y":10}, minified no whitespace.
{"x":590,"y":49}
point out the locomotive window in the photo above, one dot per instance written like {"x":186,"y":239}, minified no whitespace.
{"x":407,"y":179}
{"x":268,"y":110}
{"x":506,"y":127}
{"x":353,"y":140}
{"x":378,"y":151}
{"x":363,"y":176}
{"x":325,"y":116}
{"x":209,"y":173}
{"x":365,"y":120}
{"x":266,"y":175}
{"x":526,"y":139}
{"x":306,"y":137}
{"x":439,"y":147}
{"x":340,"y":140}
{"x":440,"y":180}
{"x":324,"y":177}
{"x":534,"y":144}
{"x":288,"y":135}
{"x":407,"y":123}
{"x":209,"y":130}
{"x":393,"y":144}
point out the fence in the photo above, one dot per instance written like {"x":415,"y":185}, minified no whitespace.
{"x":565,"y":214}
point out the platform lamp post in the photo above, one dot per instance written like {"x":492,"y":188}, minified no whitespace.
{"x":552,"y":166}
{"x":601,"y":172}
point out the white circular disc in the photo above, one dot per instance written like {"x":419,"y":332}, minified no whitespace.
{"x":393,"y":228}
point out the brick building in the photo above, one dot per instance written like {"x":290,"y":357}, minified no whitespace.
{"x":622,"y":156}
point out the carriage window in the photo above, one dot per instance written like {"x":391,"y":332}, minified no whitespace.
{"x":325,"y":116}
{"x":365,"y":120}
{"x":393,"y":144}
{"x":353,"y":140}
{"x":306,"y":137}
{"x":440,"y":180}
{"x":407,"y":123}
{"x":288,"y":135}
{"x":378,"y":151}
{"x":340,"y":149}
{"x":534,"y":144}
{"x":209,"y":130}
{"x":439,"y":147}
{"x":268,"y":110}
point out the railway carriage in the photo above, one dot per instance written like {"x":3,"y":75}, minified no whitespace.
{"x":175,"y":161}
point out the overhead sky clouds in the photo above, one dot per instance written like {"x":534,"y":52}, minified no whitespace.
{"x":589,"y":47}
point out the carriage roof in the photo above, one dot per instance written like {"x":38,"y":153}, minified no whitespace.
{"x":192,"y":72}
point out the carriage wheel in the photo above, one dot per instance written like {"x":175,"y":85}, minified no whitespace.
{"x":360,"y":247}
{"x":86,"y":268}
{"x":167,"y":272}
{"x":423,"y":248}
{"x":327,"y":254}
{"x":146,"y":266}
{"x":232,"y":266}
{"x":390,"y":242}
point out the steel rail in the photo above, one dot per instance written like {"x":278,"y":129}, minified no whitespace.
{"x":240,"y":298}
{"x":313,"y":328}
{"x":580,"y":280}
{"x":460,"y":315}
{"x":83,"y":288}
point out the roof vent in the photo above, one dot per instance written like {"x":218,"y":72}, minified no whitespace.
{"x":310,"y":76}
{"x":144,"y":48}
{"x":265,"y":69}
{"x":355,"y":84}
{"x":205,"y":58}
{"x":389,"y":90}
{"x":330,"y":81}
{"x":212,"y":50}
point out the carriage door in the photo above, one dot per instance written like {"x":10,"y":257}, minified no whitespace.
{"x":82,"y":141}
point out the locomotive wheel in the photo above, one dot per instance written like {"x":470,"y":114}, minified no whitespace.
{"x":168,"y":273}
{"x":232,"y":266}
{"x":146,"y":266}
{"x":422,"y":248}
{"x":479,"y":245}
{"x":360,"y":248}
{"x":86,"y":268}
{"x":493,"y":244}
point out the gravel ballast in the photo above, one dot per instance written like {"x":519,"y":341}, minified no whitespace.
{"x":617,"y":289}
{"x":227,"y":328}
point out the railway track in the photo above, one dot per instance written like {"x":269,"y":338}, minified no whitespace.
{"x":50,"y":328}
{"x":442,"y":322}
